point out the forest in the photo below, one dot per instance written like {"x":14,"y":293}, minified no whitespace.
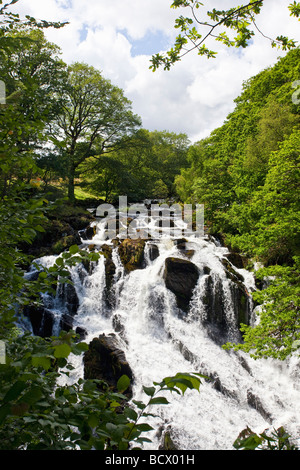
{"x":69,"y":140}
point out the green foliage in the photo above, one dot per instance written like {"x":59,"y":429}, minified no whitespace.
{"x":38,"y":412}
{"x":279,"y":439}
{"x":144,"y":166}
{"x":247,"y":175}
{"x":277,"y":333}
{"x":234,"y":27}
{"x":95,"y":118}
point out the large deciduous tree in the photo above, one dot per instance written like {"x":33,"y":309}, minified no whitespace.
{"x":32,"y":72}
{"x":96,"y":119}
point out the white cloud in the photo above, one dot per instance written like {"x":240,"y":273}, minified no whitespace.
{"x":193,"y":97}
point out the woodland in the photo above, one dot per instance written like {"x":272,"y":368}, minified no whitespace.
{"x":69,"y":140}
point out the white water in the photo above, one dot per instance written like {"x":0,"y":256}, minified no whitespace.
{"x":160,"y":343}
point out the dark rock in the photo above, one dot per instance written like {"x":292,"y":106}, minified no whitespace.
{"x":181,"y":277}
{"x":41,"y":320}
{"x":88,"y":233}
{"x":165,"y":435}
{"x":66,"y":322}
{"x":110,"y":268}
{"x":218,"y":325}
{"x":131,"y":253}
{"x":256,"y":403}
{"x":105,"y":361}
{"x":217,"y":385}
{"x":61,"y":231}
{"x":231,"y":272}
{"x":81,"y":332}
{"x":181,"y":245}
{"x":213,"y":301}
{"x":241,"y":301}
{"x":237,"y":260}
{"x":68,"y":296}
{"x":153,"y":252}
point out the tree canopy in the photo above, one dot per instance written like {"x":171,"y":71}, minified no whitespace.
{"x":247,"y":175}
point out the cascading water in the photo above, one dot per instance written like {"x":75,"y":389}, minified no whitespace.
{"x":159,"y":340}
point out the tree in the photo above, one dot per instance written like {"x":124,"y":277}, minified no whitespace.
{"x":9,"y":21}
{"x":142,"y":166}
{"x":32,"y":72}
{"x":95,"y":120}
{"x":199,"y":27}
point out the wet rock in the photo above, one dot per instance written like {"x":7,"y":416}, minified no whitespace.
{"x":181,"y":277}
{"x":217,"y":385}
{"x":222,"y":327}
{"x":68,"y":295}
{"x":241,"y":302}
{"x":81,"y":332}
{"x":256,"y":403}
{"x":165,"y":435}
{"x":182,"y":246}
{"x":41,"y":320}
{"x":61,"y":231}
{"x":213,"y":301}
{"x":237,"y":260}
{"x":88,"y":233}
{"x":110,"y":268}
{"x":105,"y":361}
{"x":153,"y":252}
{"x":231,"y":272}
{"x":131,"y":253}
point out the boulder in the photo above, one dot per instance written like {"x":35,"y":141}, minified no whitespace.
{"x":131,"y":253}
{"x":41,"y":320}
{"x":181,"y":277}
{"x":68,"y":295}
{"x":153,"y":252}
{"x":61,"y":230}
{"x":105,"y":361}
{"x":213,"y":301}
{"x":110,"y":267}
{"x":237,"y":260}
{"x":181,"y":245}
{"x":216,"y":321}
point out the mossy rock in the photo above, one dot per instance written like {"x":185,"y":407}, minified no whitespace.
{"x":131,"y":252}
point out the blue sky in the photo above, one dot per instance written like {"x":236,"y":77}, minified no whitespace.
{"x":119,"y":36}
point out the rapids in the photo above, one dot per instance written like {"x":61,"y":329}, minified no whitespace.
{"x":159,"y":342}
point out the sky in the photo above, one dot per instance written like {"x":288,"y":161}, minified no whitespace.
{"x":118,"y":37}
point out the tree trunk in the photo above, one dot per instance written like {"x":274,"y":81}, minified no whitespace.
{"x":71,"y":185}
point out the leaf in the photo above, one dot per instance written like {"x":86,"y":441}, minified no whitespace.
{"x":123,"y":383}
{"x":93,"y":420}
{"x":41,"y":361}
{"x":79,"y":348}
{"x":14,"y":392}
{"x":149,"y":391}
{"x":144,"y":427}
{"x":62,"y":350}
{"x":73,"y":249}
{"x":130,"y":413}
{"x":32,"y":396}
{"x":158,"y":401}
{"x":182,"y":381}
{"x":139,"y":404}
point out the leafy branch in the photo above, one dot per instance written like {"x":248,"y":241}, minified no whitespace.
{"x":178,"y":384}
{"x":236,"y":19}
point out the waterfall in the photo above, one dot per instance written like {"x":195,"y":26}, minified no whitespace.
{"x":159,"y":339}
